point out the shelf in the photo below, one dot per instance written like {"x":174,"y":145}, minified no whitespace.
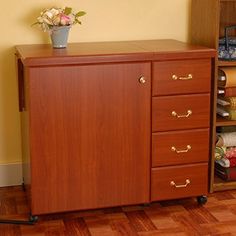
{"x":207,"y":26}
{"x":221,"y":185}
{"x":220,"y":121}
{"x":226,"y":63}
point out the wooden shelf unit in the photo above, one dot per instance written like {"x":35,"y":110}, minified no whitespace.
{"x":208,"y":21}
{"x":220,"y":121}
{"x":221,"y":185}
{"x":226,"y":63}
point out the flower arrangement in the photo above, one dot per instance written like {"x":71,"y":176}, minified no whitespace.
{"x":55,"y":16}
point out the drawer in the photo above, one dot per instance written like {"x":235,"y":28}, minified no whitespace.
{"x":179,"y":181}
{"x":183,"y":76}
{"x":180,"y":112}
{"x":180,"y":147}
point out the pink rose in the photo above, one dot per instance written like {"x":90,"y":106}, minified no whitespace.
{"x":65,"y":20}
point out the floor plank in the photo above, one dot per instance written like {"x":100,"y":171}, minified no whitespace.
{"x":177,"y":217}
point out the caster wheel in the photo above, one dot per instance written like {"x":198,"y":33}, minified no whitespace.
{"x":33,"y":219}
{"x":202,"y":199}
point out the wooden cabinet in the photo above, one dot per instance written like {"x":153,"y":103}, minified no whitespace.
{"x":208,"y":21}
{"x":86,"y":115}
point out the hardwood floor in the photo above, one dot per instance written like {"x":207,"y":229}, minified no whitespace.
{"x":179,"y":217}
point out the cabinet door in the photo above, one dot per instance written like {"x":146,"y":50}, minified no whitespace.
{"x":90,"y":136}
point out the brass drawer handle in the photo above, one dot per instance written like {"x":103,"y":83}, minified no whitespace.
{"x":175,"y":77}
{"x":174,"y":113}
{"x":142,"y":80}
{"x":173,"y":149}
{"x":187,"y":181}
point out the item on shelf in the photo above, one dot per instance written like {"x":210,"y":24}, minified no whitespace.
{"x":219,"y":152}
{"x":223,"y":162}
{"x":222,"y":102}
{"x":225,"y":156}
{"x":226,"y":112}
{"x":227,"y":46}
{"x":221,"y":77}
{"x":229,"y":102}
{"x":227,"y":92}
{"x":219,"y":143}
{"x":222,"y":112}
{"x":226,"y":129}
{"x":230,"y":77}
{"x":220,"y":91}
{"x":226,"y":139}
{"x":227,"y":174}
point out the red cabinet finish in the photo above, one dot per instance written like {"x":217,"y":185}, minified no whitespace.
{"x":165,"y":72}
{"x":193,"y":109}
{"x":86,"y":115}
{"x":180,"y":147}
{"x":91,"y":134}
{"x":192,"y":178}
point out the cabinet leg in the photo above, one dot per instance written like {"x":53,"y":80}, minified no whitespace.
{"x":202,"y":199}
{"x":31,"y":221}
{"x":23,"y":187}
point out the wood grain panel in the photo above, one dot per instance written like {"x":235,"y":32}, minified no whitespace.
{"x":164,"y":84}
{"x":161,"y":189}
{"x":204,"y":27}
{"x":108,"y":52}
{"x":163,"y":143}
{"x":162,"y":108}
{"x":227,"y":17}
{"x":90,"y":136}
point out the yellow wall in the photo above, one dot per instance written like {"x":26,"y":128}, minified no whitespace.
{"x":106,"y":20}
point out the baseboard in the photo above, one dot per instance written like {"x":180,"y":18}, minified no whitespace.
{"x":10,"y":174}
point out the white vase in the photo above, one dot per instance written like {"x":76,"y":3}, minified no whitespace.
{"x":59,"y":36}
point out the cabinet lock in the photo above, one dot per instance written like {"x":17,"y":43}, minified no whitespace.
{"x":142,"y":80}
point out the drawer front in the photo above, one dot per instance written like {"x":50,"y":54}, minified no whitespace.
{"x":180,"y":112}
{"x":183,"y":76}
{"x":179,"y":181}
{"x":180,"y":147}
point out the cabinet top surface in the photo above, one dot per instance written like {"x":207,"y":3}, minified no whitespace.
{"x":91,"y":52}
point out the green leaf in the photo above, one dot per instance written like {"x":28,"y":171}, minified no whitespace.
{"x":77,"y":22}
{"x":68,"y":10}
{"x":80,"y":13}
{"x":35,"y":23}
